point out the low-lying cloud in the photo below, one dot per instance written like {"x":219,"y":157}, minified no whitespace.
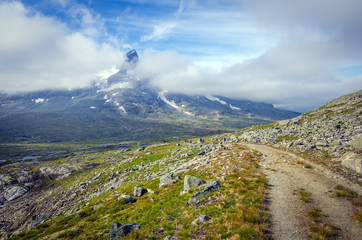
{"x":39,"y":52}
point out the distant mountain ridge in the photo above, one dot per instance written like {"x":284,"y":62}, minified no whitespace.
{"x":124,"y":107}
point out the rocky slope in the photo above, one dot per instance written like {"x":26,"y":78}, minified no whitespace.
{"x":333,"y":132}
{"x":186,"y":189}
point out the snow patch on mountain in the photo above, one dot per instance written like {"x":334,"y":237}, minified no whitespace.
{"x":122,"y":108}
{"x":163,"y":98}
{"x":117,"y":86}
{"x":39,"y":100}
{"x":234,"y":108}
{"x":212,"y":98}
{"x":107,"y":73}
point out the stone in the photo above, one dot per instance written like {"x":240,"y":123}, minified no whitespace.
{"x":97,"y":206}
{"x":131,"y":199}
{"x":166,"y":180}
{"x":211,"y":187}
{"x":14,"y":193}
{"x":352,"y":161}
{"x":42,"y":218}
{"x":201,"y":219}
{"x":6,"y":180}
{"x":150,"y":191}
{"x":138,"y":191}
{"x":192,"y":182}
{"x":119,"y":231}
{"x":169,"y":237}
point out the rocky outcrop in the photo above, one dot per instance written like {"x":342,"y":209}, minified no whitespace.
{"x":119,"y":231}
{"x":14,"y":192}
{"x":192,"y":182}
{"x":352,"y":161}
{"x":63,"y":171}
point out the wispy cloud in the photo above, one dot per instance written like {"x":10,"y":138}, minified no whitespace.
{"x":160,"y":31}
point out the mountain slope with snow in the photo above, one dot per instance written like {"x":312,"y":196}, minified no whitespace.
{"x":123,"y":107}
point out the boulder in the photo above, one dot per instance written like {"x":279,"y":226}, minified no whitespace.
{"x":211,"y":187}
{"x":138,"y":191}
{"x":192,"y":182}
{"x":201,"y":219}
{"x":119,"y":231}
{"x":14,"y":192}
{"x":167,"y":180}
{"x":131,"y":199}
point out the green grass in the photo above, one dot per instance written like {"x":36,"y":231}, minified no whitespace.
{"x":236,"y":211}
{"x":286,"y":138}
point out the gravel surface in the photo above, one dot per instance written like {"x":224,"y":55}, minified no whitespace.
{"x":289,"y":214}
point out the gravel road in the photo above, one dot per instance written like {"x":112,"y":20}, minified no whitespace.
{"x":289,"y":214}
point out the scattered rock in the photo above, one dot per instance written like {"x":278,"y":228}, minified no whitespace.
{"x":150,"y":191}
{"x":131,"y":199}
{"x":119,"y":231}
{"x":97,"y":206}
{"x":6,"y":180}
{"x":211,"y":187}
{"x":141,"y":149}
{"x":138,"y":191}
{"x":201,"y":219}
{"x":192,"y":182}
{"x":14,"y":192}
{"x":42,"y":218}
{"x":168,"y":179}
{"x":169,"y":237}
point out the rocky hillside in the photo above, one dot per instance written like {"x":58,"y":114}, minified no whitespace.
{"x":333,"y":132}
{"x":192,"y":189}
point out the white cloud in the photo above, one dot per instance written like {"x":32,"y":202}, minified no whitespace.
{"x":291,"y":79}
{"x":160,"y":31}
{"x":39,"y":52}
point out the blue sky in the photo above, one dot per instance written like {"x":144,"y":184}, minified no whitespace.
{"x":296,"y":55}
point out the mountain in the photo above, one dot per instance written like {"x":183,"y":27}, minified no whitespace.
{"x":124,"y":107}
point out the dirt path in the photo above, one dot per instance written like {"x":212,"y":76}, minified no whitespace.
{"x":289,"y":214}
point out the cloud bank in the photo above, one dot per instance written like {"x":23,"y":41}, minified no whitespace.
{"x":296,"y":55}
{"x":39,"y":52}
{"x":313,"y":41}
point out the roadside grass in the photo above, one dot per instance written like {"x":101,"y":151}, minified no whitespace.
{"x":305,"y":196}
{"x":353,"y":197}
{"x":316,"y":220}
